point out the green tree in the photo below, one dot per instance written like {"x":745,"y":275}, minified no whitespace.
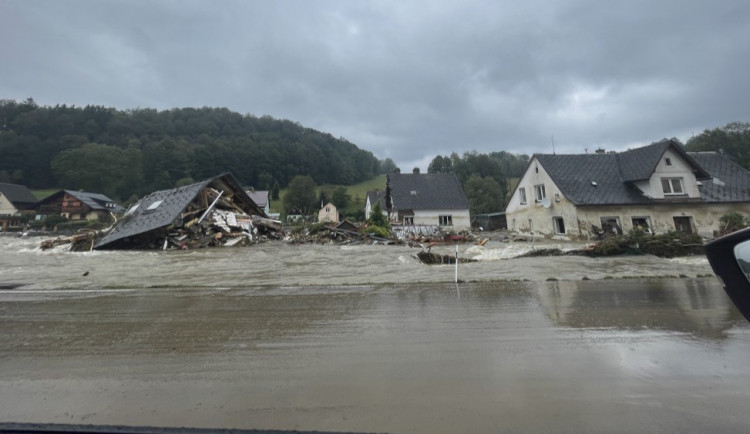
{"x":732,"y":140}
{"x":484,"y":194}
{"x":92,"y":167}
{"x":388,"y":166}
{"x":341,"y":197}
{"x":440,"y":164}
{"x":300,"y":194}
{"x":377,"y":218}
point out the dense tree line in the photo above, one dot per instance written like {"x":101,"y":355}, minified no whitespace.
{"x":732,"y":140}
{"x":132,"y":152}
{"x":484,"y":177}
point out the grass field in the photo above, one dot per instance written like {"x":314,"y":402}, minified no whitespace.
{"x":41,"y":194}
{"x":358,"y":193}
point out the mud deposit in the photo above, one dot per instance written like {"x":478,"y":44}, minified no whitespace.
{"x":210,"y":339}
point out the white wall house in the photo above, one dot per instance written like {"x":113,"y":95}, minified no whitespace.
{"x":434,"y":200}
{"x":657,"y":188}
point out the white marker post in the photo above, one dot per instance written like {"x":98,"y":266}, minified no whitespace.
{"x":456,"y":262}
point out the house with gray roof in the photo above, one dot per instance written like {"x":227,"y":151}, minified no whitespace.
{"x":656,"y":188}
{"x":373,"y":197}
{"x":434,"y":199}
{"x":181,"y":217}
{"x":78,"y":205}
{"x":15,"y":201}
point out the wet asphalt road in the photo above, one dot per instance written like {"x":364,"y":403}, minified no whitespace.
{"x":620,"y":355}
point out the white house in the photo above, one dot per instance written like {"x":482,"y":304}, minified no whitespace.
{"x":427,"y":200}
{"x":15,"y":200}
{"x":657,"y":188}
{"x":261,"y":198}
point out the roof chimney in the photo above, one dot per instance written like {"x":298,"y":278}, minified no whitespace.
{"x":416,"y":171}
{"x":600,"y":151}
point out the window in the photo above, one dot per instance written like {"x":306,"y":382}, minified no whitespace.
{"x":642,"y":224}
{"x":445,"y":220}
{"x":683,"y":224}
{"x":539,"y":192}
{"x":409,"y":220}
{"x":667,"y":161}
{"x":522,"y":195}
{"x":514,"y":225}
{"x":611,"y":225}
{"x":559,"y":225}
{"x":531,"y":225}
{"x":672,"y":186}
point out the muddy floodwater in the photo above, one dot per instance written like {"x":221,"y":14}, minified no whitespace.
{"x":364,"y":338}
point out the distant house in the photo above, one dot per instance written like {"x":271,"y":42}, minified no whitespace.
{"x":373,"y":197}
{"x":15,"y":202}
{"x":261,"y":198}
{"x":427,"y":200}
{"x":656,"y":188}
{"x":78,"y":205}
{"x":328,"y":213}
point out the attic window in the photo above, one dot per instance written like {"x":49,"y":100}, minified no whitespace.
{"x":132,"y":209}
{"x":667,"y":161}
{"x":414,"y":192}
{"x":593,"y":183}
{"x":154,"y":205}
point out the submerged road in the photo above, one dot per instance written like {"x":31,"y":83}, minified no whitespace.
{"x":620,"y":355}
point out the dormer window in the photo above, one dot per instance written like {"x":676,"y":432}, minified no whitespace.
{"x":672,"y":186}
{"x":668,"y":161}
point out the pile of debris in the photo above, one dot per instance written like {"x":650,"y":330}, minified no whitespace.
{"x":214,"y":212}
{"x":341,"y":233}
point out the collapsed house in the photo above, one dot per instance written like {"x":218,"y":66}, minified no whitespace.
{"x":214,"y":212}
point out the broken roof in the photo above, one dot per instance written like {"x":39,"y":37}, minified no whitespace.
{"x":607,"y":179}
{"x":160,"y":209}
{"x":18,"y":195}
{"x":437,"y":191}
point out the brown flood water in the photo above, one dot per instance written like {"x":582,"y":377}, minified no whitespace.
{"x":621,"y":355}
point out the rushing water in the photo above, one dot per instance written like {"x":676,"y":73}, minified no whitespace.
{"x":281,"y":264}
{"x":364,"y":338}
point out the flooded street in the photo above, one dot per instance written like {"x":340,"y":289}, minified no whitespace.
{"x":366,"y":339}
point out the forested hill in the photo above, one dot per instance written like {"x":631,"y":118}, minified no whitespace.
{"x":132,"y":152}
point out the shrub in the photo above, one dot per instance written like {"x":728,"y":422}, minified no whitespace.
{"x":378,"y":231}
{"x":730,"y":222}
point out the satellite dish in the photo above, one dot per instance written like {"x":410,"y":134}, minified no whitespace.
{"x":546,"y":202}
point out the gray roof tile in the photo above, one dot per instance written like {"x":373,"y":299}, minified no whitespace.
{"x":729,"y":183}
{"x":613,"y":174}
{"x":19,"y":195}
{"x":427,"y":191}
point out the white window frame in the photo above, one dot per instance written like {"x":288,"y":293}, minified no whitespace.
{"x":668,"y":186}
{"x":409,"y":220}
{"x":445,"y":220}
{"x":522,"y":195}
{"x":556,"y":223}
{"x":540,"y":193}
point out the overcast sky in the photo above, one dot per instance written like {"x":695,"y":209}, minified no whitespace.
{"x":404,"y":79}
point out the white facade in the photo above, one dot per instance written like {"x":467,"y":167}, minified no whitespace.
{"x":559,"y":216}
{"x":452,"y":219}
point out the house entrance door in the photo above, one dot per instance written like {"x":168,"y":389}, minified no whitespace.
{"x":684,"y":224}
